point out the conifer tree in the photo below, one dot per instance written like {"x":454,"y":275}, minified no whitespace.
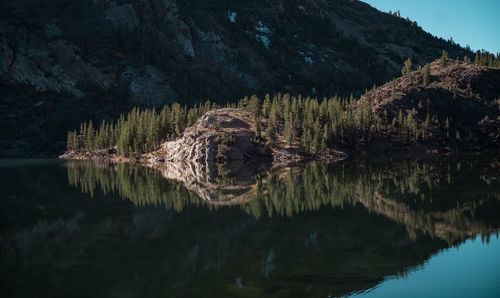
{"x":393,"y":89}
{"x":266,"y":107}
{"x":444,"y":58}
{"x":426,"y":75}
{"x":407,"y":67}
{"x":288,"y":133}
{"x":447,"y":126}
{"x":324,"y":138}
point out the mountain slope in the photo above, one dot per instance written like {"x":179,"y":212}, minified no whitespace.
{"x":446,"y":106}
{"x":459,"y":106}
{"x":93,"y":59}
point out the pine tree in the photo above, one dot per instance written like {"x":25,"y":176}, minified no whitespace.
{"x":71,"y":145}
{"x":288,"y":133}
{"x":407,"y":67}
{"x":324,"y":138}
{"x":258,"y":129}
{"x":89,"y":136}
{"x":266,"y":107}
{"x":306,"y":139}
{"x":426,"y":75}
{"x":393,"y":89}
{"x":425,"y":126}
{"x":316,"y":135}
{"x":444,"y":58}
{"x":254,"y":105}
{"x":385,"y":117}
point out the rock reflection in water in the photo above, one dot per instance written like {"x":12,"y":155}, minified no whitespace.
{"x":411,"y":193}
{"x":312,"y":230}
{"x":232,"y":184}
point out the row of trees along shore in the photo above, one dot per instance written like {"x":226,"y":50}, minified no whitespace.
{"x":312,"y":124}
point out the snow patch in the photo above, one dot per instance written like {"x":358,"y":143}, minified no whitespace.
{"x":266,"y":42}
{"x":262,"y":28}
{"x":231,"y":16}
{"x":263,"y":34}
{"x":309,"y":60}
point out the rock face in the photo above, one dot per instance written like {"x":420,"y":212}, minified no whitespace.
{"x":147,"y":86}
{"x":224,"y":134}
{"x":95,"y":59}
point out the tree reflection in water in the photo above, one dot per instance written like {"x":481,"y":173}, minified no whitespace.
{"x":309,"y":230}
{"x":440,"y":198}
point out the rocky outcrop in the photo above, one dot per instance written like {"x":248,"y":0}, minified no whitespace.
{"x":224,"y":135}
{"x":459,"y":105}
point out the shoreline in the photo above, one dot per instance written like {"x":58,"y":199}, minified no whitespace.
{"x":415,"y":152}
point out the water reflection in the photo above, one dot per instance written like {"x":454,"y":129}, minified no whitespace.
{"x":313,"y":230}
{"x":439,"y":198}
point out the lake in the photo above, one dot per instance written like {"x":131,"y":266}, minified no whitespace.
{"x":379,"y":228}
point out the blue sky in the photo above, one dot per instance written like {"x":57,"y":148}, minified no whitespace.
{"x":469,"y":22}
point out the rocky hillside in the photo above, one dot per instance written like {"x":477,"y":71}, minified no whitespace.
{"x":62,"y":62}
{"x":456,"y":105}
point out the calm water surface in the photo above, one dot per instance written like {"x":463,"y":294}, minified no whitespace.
{"x":368,"y":229}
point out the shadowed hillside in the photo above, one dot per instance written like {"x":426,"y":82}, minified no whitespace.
{"x":93,"y":59}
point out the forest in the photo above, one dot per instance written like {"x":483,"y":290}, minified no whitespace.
{"x":281,"y":120}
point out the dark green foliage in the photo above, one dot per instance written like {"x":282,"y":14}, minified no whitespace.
{"x":487,"y":59}
{"x":426,"y":75}
{"x":137,"y":132}
{"x":282,"y":120}
{"x":444,"y":58}
{"x":407,"y":67}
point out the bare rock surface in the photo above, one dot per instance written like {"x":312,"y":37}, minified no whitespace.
{"x":147,"y":86}
{"x":224,"y":134}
